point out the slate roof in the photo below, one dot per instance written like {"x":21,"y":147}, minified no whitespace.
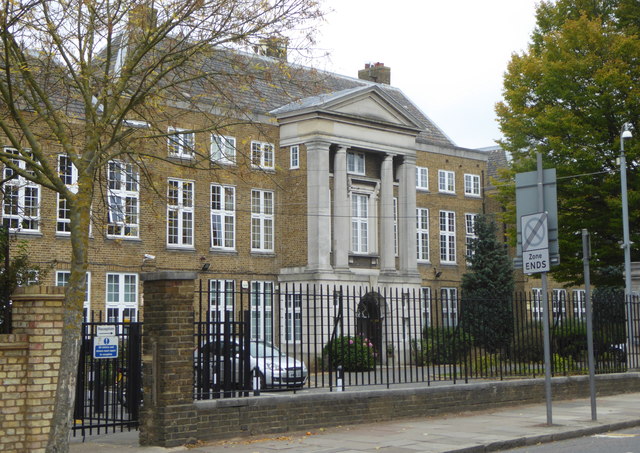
{"x":262,"y":84}
{"x":257,"y":84}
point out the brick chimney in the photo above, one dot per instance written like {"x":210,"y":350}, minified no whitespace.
{"x":376,"y":72}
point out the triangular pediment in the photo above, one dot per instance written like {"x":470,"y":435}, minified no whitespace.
{"x":368,"y":103}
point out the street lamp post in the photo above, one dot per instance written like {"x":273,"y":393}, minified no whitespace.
{"x":625,"y":133}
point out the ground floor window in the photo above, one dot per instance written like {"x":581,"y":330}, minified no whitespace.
{"x":62,"y":279}
{"x":122,"y":297}
{"x":221,"y":299}
{"x":293,"y":318}
{"x":449,"y":299}
{"x":262,"y":311}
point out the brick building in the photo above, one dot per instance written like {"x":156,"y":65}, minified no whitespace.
{"x":336,"y":180}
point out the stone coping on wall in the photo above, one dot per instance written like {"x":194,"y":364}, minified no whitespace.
{"x":492,"y":387}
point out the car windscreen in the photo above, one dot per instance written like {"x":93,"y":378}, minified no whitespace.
{"x":264,"y":350}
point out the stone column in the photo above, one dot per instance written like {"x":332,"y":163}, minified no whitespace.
{"x":387,"y":242}
{"x":341,"y":211}
{"x":168,"y":415}
{"x":318,"y":207}
{"x":407,"y":216}
{"x":635,"y":278}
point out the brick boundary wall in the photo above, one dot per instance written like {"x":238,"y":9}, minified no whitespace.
{"x":170,"y":417}
{"x":29,"y":364}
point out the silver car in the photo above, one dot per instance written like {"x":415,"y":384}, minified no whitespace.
{"x":268,"y":366}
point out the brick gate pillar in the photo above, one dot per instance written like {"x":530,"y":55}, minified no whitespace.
{"x":29,"y":367}
{"x":167,"y":355}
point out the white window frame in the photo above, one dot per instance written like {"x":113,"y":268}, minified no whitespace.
{"x":262,"y":310}
{"x":579,"y":297}
{"x":422,"y":178}
{"x":223,"y":149}
{"x":294,"y":157}
{"x":262,"y":220}
{"x":123,"y":200}
{"x":180,"y":213}
{"x":21,"y":212}
{"x":181,"y":143}
{"x":223,"y":217}
{"x":425,"y":306}
{"x":536,"y":304}
{"x":559,"y":303}
{"x":69,"y":175}
{"x":422,"y":234}
{"x":471,"y":185}
{"x":447,"y":237}
{"x":356,"y":163}
{"x":221,"y":299}
{"x":470,"y":220}
{"x":446,"y":181}
{"x":293,"y":318}
{"x":449,"y":300}
{"x":360,"y":223}
{"x":122,"y":304}
{"x":262,"y":155}
{"x":62,"y":279}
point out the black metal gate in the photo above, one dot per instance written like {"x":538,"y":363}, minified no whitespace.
{"x":109,"y":390}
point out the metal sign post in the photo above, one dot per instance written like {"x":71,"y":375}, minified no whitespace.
{"x":586,"y":255}
{"x":537,"y":248}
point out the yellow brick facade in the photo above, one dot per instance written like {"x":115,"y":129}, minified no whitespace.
{"x":294,"y":241}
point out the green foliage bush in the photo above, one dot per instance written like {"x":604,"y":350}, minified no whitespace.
{"x":563,"y":365}
{"x":353,"y":353}
{"x":570,"y":341}
{"x":486,"y":365}
{"x":528,"y":345}
{"x":444,"y":345}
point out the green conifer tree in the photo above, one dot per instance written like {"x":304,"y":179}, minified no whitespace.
{"x":487,"y":289}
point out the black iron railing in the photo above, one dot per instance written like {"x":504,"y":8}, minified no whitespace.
{"x":390,"y":337}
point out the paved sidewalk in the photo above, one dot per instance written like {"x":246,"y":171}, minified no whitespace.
{"x":469,"y":432}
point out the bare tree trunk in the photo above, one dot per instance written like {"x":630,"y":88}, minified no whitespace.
{"x":61,"y":423}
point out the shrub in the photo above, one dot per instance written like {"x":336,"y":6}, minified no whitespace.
{"x":353,"y":353}
{"x":528,"y":346}
{"x":563,"y":365}
{"x":419,"y":352}
{"x":446,"y":344}
{"x":570,"y":341}
{"x":486,"y":365}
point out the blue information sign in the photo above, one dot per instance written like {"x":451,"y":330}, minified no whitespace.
{"x":105,"y":347}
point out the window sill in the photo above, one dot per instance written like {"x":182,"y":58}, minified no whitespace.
{"x":468,"y":195}
{"x":446,"y":193}
{"x":26,"y":233}
{"x":264,"y":254}
{"x":177,"y":248}
{"x":264,"y":169}
{"x":124,"y":238}
{"x":223,"y":163}
{"x":223,"y":251}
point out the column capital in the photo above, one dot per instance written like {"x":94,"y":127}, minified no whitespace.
{"x":318,"y":144}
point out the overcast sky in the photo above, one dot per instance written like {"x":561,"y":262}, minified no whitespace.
{"x":448,"y":56}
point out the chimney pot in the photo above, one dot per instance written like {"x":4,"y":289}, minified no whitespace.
{"x":376,"y":72}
